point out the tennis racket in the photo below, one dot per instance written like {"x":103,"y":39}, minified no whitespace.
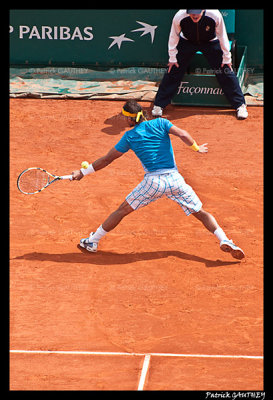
{"x":34,"y":180}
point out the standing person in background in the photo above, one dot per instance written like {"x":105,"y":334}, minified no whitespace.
{"x":199,"y":30}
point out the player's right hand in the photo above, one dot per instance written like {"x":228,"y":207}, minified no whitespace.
{"x":77,"y":175}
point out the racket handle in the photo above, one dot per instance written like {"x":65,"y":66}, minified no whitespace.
{"x":66,"y":177}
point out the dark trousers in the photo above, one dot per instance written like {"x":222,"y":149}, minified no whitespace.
{"x":214,"y":54}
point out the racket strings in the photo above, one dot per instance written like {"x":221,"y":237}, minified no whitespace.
{"x":33,"y":180}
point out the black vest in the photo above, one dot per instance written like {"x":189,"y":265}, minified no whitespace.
{"x":198,"y":32}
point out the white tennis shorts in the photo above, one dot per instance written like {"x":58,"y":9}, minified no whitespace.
{"x":172,"y":185}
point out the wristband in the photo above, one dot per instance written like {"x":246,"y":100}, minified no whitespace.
{"x":194,"y":146}
{"x":88,"y":170}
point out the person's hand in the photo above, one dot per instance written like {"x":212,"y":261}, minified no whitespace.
{"x":77,"y":175}
{"x":203,"y":148}
{"x":229,"y":65}
{"x":171,"y":64}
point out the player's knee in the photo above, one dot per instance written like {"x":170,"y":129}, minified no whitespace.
{"x":199,"y":214}
{"x":124,"y":209}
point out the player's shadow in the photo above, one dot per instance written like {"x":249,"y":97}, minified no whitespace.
{"x":111,"y":258}
{"x":170,"y":112}
{"x":118,"y":123}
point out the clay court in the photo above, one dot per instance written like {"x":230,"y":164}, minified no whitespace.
{"x":159,"y":306}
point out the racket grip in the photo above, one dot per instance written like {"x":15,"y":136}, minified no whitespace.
{"x":66,"y":177}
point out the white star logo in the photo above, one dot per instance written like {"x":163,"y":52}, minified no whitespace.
{"x":146,"y":29}
{"x":118,"y":40}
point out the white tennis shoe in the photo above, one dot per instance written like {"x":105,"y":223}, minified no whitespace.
{"x":242,"y":112}
{"x":229,"y":247}
{"x":88,"y":245}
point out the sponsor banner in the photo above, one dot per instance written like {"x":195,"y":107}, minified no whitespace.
{"x":90,"y":37}
{"x":200,"y":90}
{"x":191,"y":90}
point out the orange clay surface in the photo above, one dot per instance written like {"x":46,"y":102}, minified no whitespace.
{"x":159,"y":282}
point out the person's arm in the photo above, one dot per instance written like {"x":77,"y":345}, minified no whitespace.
{"x":174,"y":39}
{"x":188,"y":140}
{"x":100,"y":163}
{"x":221,"y":34}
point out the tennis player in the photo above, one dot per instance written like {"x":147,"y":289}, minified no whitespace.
{"x":150,"y":141}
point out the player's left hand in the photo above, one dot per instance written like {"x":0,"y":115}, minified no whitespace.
{"x":203,"y":148}
{"x":77,"y":175}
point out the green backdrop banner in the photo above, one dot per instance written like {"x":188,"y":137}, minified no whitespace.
{"x":90,"y":37}
{"x":112,"y":37}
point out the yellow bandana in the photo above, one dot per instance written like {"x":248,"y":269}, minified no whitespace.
{"x":137,"y":116}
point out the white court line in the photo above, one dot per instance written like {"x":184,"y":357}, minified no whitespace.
{"x":112,"y":353}
{"x":144,"y":371}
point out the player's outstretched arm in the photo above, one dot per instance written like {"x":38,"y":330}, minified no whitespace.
{"x":100,"y":163}
{"x":188,"y":140}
